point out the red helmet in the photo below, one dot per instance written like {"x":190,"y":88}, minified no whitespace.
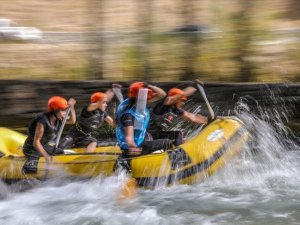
{"x":97,"y":96}
{"x":57,"y":103}
{"x":177,"y":91}
{"x":134,"y":90}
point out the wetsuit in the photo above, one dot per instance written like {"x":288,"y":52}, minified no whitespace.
{"x":83,"y":132}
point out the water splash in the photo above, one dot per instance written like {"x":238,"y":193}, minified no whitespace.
{"x":269,"y":157}
{"x":260,"y":187}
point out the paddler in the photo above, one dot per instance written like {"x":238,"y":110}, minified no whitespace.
{"x":92,"y":117}
{"x":133,"y":117}
{"x":43,"y":129}
{"x":165,"y":112}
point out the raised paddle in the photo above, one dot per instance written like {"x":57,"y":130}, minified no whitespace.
{"x":47,"y":168}
{"x":118,"y":93}
{"x":62,"y":126}
{"x":201,"y":89}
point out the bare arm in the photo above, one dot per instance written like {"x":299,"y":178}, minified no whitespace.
{"x":159,"y":93}
{"x":93,"y":106}
{"x":133,"y":149}
{"x":129,"y":133}
{"x":39,"y":132}
{"x":110,"y":121}
{"x":195,"y":118}
{"x":190,"y":90}
{"x":171,"y":100}
{"x":72,"y":118}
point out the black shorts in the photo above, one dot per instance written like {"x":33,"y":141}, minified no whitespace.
{"x":73,"y":140}
{"x":175,"y":135}
{"x":152,"y":146}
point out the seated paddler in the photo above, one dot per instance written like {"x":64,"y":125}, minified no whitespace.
{"x":43,"y":129}
{"x":91,"y":119}
{"x":169,"y":110}
{"x":133,"y":117}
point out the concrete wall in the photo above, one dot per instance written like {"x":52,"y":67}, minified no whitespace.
{"x":21,"y":100}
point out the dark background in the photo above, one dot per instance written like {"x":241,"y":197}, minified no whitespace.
{"x":20,"y":100}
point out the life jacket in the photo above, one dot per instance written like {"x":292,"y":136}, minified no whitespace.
{"x":163,"y":117}
{"x":91,"y":124}
{"x":50,"y":133}
{"x":166,"y":121}
{"x":139,"y":133}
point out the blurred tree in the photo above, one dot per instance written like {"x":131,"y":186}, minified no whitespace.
{"x":191,"y":39}
{"x":243,"y":32}
{"x":95,"y":39}
{"x":293,"y":11}
{"x":144,"y":45}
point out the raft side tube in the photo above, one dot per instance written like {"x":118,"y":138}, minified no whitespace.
{"x":11,"y":142}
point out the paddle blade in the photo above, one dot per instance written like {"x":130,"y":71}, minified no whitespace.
{"x":118,"y":94}
{"x":129,"y":189}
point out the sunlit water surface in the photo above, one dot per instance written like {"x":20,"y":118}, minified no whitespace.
{"x":261,"y":188}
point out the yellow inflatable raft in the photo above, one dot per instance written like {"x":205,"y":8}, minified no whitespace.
{"x":188,"y":163}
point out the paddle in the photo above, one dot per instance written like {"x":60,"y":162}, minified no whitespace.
{"x":118,"y":93}
{"x":57,"y":140}
{"x":201,"y":89}
{"x":62,"y":126}
{"x":130,"y":185}
{"x":117,"y":90}
{"x":129,"y":189}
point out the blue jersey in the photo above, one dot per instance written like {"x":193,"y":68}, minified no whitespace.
{"x":140,"y":132}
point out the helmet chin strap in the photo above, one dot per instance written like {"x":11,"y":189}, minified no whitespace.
{"x":55,"y":114}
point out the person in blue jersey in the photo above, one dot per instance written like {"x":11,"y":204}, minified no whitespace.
{"x":165,"y":112}
{"x":43,"y":129}
{"x":92,"y":117}
{"x":132,"y":125}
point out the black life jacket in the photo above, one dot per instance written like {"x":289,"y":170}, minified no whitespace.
{"x":163,"y":116}
{"x":92,"y":123}
{"x":165,"y":121}
{"x":50,"y":132}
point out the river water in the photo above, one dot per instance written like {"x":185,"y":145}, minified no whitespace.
{"x":259,"y":187}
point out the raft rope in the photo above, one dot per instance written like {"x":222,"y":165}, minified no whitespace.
{"x":78,"y":127}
